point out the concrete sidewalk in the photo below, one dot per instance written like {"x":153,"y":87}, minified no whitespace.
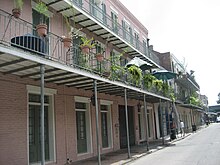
{"x":120,"y":157}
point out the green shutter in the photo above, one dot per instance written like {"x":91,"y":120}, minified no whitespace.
{"x":123,"y":29}
{"x":104,"y":13}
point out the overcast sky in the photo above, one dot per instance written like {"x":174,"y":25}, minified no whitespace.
{"x":189,"y":29}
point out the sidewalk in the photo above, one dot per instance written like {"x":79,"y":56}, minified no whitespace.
{"x":120,"y":157}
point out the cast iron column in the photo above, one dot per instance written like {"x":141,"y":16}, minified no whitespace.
{"x":42,"y":69}
{"x":146,"y":122}
{"x":126,"y":119}
{"x":97,"y":122}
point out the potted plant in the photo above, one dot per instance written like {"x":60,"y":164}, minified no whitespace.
{"x":148,"y":80}
{"x":86,"y":45}
{"x":99,"y":53}
{"x":18,"y":7}
{"x":43,"y":10}
{"x":135,"y":74}
{"x":67,"y":39}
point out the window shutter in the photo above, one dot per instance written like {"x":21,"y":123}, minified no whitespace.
{"x":123,"y":29}
{"x":104,"y":13}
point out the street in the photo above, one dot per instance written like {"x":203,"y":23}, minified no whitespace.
{"x":200,"y":148}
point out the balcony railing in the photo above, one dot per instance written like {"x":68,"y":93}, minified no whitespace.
{"x":21,"y":35}
{"x":106,"y":20}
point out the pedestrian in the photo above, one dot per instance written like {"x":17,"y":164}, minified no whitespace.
{"x":182,"y":128}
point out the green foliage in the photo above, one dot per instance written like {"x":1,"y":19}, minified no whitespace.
{"x":148,"y":80}
{"x":218,"y":101}
{"x":158,"y":84}
{"x":18,"y":4}
{"x":42,"y":9}
{"x":116,"y":70}
{"x":165,"y":88}
{"x":172,"y":96}
{"x":87,"y":42}
{"x":135,"y":74}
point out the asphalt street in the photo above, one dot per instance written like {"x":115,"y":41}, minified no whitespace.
{"x":200,"y":148}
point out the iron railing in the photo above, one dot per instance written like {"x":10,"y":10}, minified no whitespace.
{"x":97,"y":13}
{"x":20,"y":34}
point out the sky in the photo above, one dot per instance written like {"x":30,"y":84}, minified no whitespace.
{"x":189,"y":29}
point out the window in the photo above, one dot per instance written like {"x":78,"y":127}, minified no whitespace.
{"x":145,"y":46}
{"x":104,"y":15}
{"x":35,"y":128}
{"x":106,"y":128}
{"x":114,"y":22}
{"x":136,"y":36}
{"x":126,"y":30}
{"x":83,"y":127}
{"x":78,"y":3}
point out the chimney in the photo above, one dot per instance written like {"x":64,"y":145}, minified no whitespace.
{"x":151,"y":47}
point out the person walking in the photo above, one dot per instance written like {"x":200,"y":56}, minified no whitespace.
{"x":182,"y":128}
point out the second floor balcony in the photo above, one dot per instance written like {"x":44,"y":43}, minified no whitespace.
{"x":21,"y":36}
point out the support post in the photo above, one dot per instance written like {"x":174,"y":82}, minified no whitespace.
{"x":146,"y":122}
{"x":126,"y":119}
{"x":42,"y":70}
{"x":97,"y":122}
{"x":162,"y":129}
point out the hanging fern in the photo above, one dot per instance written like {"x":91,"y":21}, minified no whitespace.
{"x":135,"y":74}
{"x":148,"y":80}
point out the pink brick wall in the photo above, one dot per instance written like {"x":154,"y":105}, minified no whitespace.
{"x":13,"y":125}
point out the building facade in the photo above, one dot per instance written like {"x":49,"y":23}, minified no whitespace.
{"x":87,"y":105}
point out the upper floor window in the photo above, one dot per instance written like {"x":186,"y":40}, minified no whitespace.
{"x":136,"y":36}
{"x":114,"y":17}
{"x":127,"y":31}
{"x":145,"y":46}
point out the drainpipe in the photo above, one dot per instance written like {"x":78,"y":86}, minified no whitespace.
{"x":146,"y":122}
{"x":97,"y":122}
{"x":126,"y":120}
{"x":42,"y":69}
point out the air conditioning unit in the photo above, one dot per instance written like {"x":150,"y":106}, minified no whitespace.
{"x":98,"y":1}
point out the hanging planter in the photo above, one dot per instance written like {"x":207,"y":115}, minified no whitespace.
{"x":66,"y":42}
{"x":86,"y":45}
{"x":18,"y":4}
{"x":16,"y":12}
{"x":41,"y":30}
{"x":85,"y":49}
{"x":100,"y":57}
{"x":43,"y":10}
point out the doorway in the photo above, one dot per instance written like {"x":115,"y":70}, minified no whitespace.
{"x":122,"y":126}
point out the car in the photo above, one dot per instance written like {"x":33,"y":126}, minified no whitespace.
{"x":218,"y":119}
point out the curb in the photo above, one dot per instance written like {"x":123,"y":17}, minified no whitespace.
{"x":135,"y":157}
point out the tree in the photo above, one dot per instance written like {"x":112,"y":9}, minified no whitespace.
{"x":218,"y":101}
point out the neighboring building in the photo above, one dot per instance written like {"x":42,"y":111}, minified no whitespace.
{"x":85,"y":99}
{"x":185,"y":87}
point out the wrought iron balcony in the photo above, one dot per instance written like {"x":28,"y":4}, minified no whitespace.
{"x":95,"y":19}
{"x":21,"y":35}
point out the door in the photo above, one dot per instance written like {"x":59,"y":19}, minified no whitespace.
{"x":104,"y":129}
{"x":34,"y":133}
{"x":81,"y":131}
{"x":122,"y":124}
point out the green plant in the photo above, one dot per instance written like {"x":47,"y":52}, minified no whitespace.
{"x":148,"y":80}
{"x":135,"y":74}
{"x":172,"y":96}
{"x":18,"y":4}
{"x":87,"y":42}
{"x":165,"y":88}
{"x":158,"y":84}
{"x":116,"y":70}
{"x":43,"y":10}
